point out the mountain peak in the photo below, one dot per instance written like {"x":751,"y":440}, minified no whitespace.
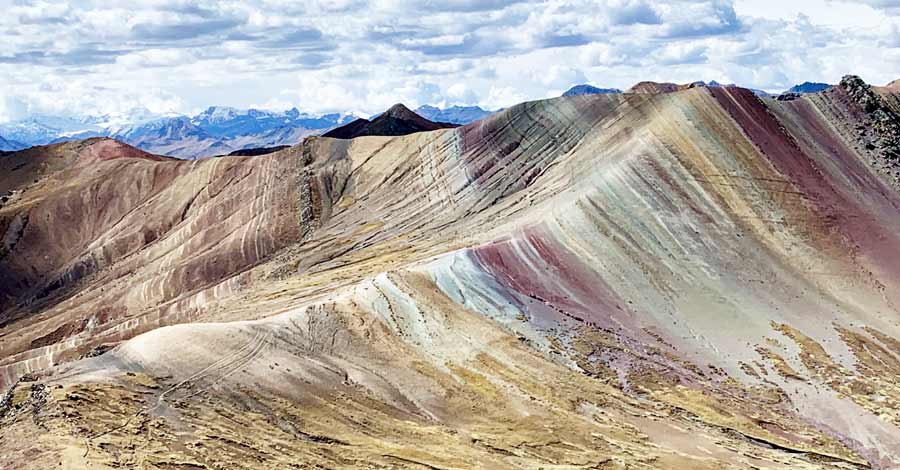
{"x":586,"y":89}
{"x":808,"y":87}
{"x":397,"y":120}
{"x":400,"y":111}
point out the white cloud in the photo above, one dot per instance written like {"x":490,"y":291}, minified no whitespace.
{"x":689,"y":52}
{"x":447,"y":40}
{"x":600,"y":54}
{"x":502,"y":97}
{"x":459,"y":93}
{"x":104,"y":57}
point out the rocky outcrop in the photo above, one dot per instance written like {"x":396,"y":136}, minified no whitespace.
{"x":880,"y":134}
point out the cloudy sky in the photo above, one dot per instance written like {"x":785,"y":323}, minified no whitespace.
{"x":172,"y":56}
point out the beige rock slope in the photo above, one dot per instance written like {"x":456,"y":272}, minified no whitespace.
{"x":694,"y":279}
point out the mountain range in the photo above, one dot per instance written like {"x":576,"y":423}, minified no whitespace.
{"x":7,"y":145}
{"x":220,"y":130}
{"x":217,"y":130}
{"x":684,"y":277}
{"x":454,"y":114}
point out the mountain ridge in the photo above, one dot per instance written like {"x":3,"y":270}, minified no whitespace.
{"x":691,"y":280}
{"x":234,"y":129}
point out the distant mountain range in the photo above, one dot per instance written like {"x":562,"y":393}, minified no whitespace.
{"x":454,"y":114}
{"x":228,"y":122}
{"x":10,"y":145}
{"x":41,"y":129}
{"x":175,"y":136}
{"x":808,"y":87}
{"x":221,"y":130}
{"x":589,"y":90}
{"x":218,"y":130}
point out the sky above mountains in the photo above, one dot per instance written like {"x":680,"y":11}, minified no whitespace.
{"x":171,"y":56}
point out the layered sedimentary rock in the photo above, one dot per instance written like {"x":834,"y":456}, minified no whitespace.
{"x":97,"y":231}
{"x":692,"y":279}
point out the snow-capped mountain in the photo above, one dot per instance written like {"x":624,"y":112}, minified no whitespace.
{"x":221,"y":130}
{"x":228,"y":122}
{"x":217,"y":130}
{"x":175,"y":127}
{"x":176,"y":136}
{"x":41,"y":129}
{"x":454,"y":114}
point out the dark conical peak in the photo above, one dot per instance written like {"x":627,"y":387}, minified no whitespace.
{"x":398,"y":120}
{"x":400,"y":111}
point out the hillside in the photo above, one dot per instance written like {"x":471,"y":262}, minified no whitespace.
{"x":680,"y":277}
